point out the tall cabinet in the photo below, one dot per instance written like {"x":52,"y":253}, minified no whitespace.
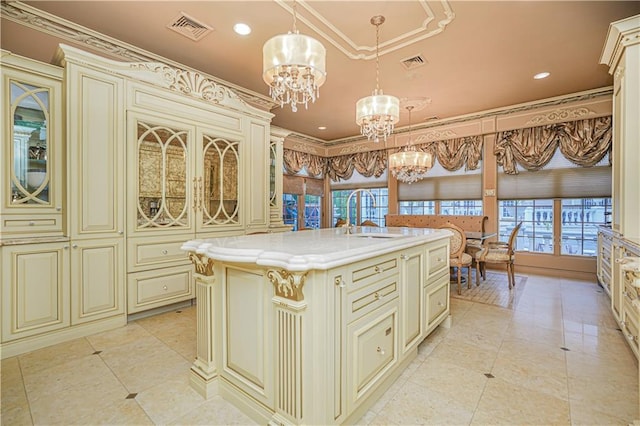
{"x":194,"y":161}
{"x":621,"y":54}
{"x":107,"y":169}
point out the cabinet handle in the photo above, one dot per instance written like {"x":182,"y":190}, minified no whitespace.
{"x":195,"y":194}
{"x":200,"y":193}
{"x":164,"y":287}
{"x":165,"y":252}
{"x":380,"y":350}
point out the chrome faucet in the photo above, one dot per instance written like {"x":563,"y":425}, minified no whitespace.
{"x":355,"y":191}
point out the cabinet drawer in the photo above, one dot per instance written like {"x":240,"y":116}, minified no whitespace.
{"x":49,"y":224}
{"x":438,"y":259}
{"x":157,"y":288}
{"x":365,"y":273}
{"x":146,"y":254}
{"x":630,"y":326}
{"x":369,"y":298}
{"x":372,"y":351}
{"x":437,"y":301}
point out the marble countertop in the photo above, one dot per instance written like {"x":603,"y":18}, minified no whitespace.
{"x":314,"y":249}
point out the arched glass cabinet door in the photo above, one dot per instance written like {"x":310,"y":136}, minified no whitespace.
{"x":30,"y":173}
{"x":163,"y":161}
{"x":219,"y":184}
{"x":272,"y":175}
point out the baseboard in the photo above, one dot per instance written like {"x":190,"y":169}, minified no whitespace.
{"x":161,"y":310}
{"x":32,"y":343}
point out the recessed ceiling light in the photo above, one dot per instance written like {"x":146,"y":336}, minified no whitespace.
{"x":322,"y":127}
{"x":242,"y":29}
{"x":541,"y":75}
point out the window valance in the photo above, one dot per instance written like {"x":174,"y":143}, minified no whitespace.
{"x":583,"y":142}
{"x":294,"y":161}
{"x":453,"y":154}
{"x":371,"y":163}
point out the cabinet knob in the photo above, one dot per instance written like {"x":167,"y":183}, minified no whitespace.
{"x":58,"y":208}
{"x":439,"y":259}
{"x":340,"y":283}
{"x":120,"y":232}
{"x":404,"y":257}
{"x":164,"y":287}
{"x":75,"y":246}
{"x":440,"y":304}
{"x":380,"y":350}
{"x":165,"y":252}
{"x":377,"y":269}
{"x":66,"y":247}
{"x":377,"y":296}
{"x":31,"y":223}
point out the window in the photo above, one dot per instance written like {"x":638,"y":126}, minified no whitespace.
{"x":312,"y":209}
{"x":580,"y":220}
{"x":417,"y":207}
{"x":302,"y":195}
{"x":290,"y":210}
{"x":536,"y":234}
{"x":461,"y":207}
{"x":362,"y":206}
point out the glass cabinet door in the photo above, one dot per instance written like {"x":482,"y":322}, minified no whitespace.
{"x":272,"y":175}
{"x":218,"y":185}
{"x":163,"y":166}
{"x":29,"y":171}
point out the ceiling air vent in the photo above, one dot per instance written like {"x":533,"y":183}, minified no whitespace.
{"x":413,"y":62}
{"x":189,"y":27}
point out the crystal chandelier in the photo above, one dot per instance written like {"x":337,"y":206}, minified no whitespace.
{"x":410,"y":165}
{"x":294,"y":67}
{"x":377,"y":114}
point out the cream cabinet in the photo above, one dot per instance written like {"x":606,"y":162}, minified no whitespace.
{"x":413,"y":276}
{"x":605,"y":246}
{"x":36,"y":289}
{"x":31,"y":180}
{"x":97,"y":290}
{"x":622,"y":54}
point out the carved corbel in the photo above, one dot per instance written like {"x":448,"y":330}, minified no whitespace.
{"x":203,"y":264}
{"x":288,"y":285}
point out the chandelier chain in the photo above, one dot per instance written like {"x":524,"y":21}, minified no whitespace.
{"x":295,"y":18}
{"x":378,"y":56}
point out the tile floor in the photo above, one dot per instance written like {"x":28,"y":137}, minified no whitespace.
{"x":557,"y":358}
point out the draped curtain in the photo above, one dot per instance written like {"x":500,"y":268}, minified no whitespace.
{"x":453,"y":154}
{"x":583,"y":142}
{"x":371,"y":163}
{"x":294,"y":161}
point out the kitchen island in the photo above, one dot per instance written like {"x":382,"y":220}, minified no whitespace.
{"x":311,"y":327}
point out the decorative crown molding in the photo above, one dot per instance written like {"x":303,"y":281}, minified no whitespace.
{"x":560,"y":114}
{"x":301,"y":147}
{"x":353,"y":149}
{"x":436,"y":135}
{"x":39,"y":20}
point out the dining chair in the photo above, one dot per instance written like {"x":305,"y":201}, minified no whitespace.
{"x":457,"y":257}
{"x":499,"y":253}
{"x":340,"y":222}
{"x":368,"y":223}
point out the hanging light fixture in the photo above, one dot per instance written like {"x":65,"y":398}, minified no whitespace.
{"x":377,"y":114}
{"x":294,"y":67}
{"x":410,"y":165}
